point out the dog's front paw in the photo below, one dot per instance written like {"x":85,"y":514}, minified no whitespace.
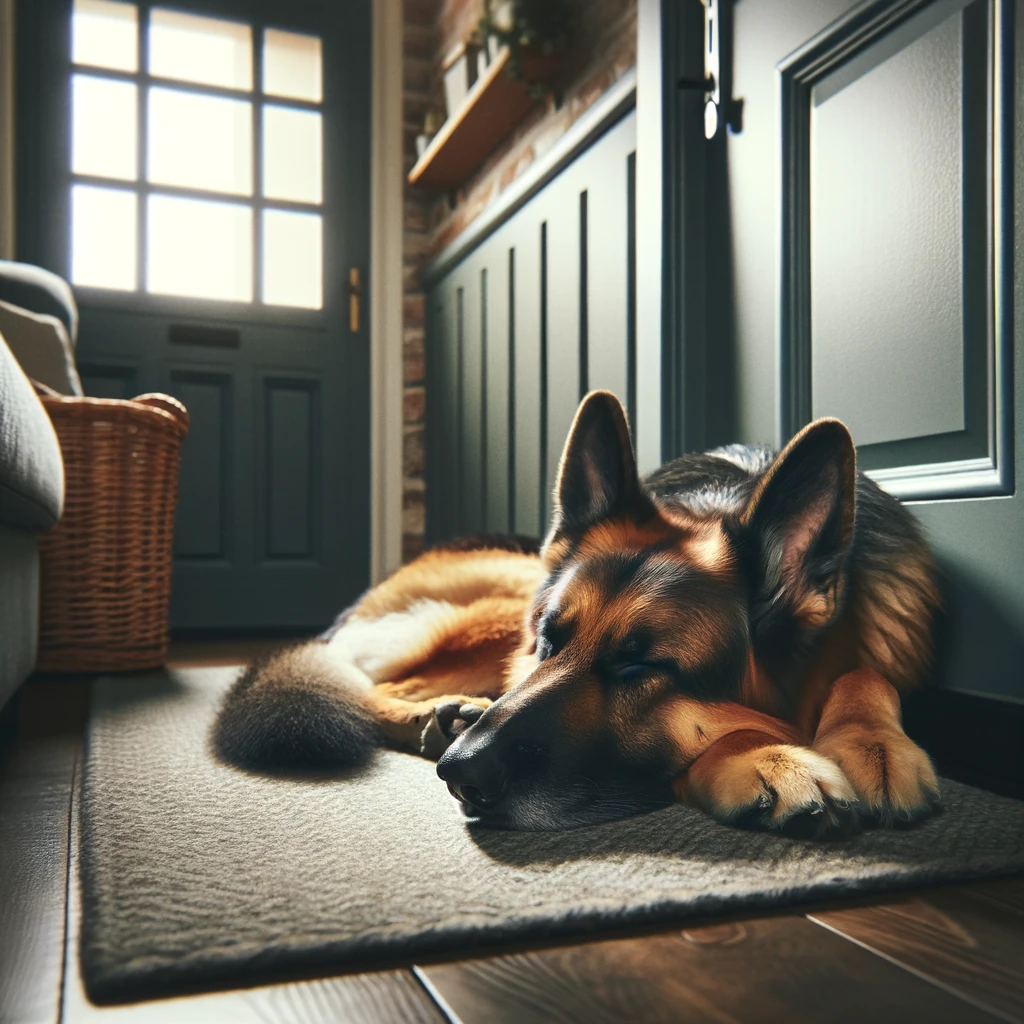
{"x":893,"y":777}
{"x":449,"y":720}
{"x":780,"y":787}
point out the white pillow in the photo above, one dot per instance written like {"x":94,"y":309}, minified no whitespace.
{"x":41,"y":345}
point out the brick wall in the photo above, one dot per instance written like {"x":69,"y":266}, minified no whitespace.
{"x":603,"y":49}
{"x":421,"y":42}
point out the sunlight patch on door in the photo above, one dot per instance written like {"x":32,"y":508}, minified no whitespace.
{"x":208,"y":51}
{"x":291,"y":267}
{"x":103,"y":237}
{"x":292,"y":65}
{"x":199,"y":249}
{"x":201,"y":142}
{"x":292,"y":155}
{"x":104,"y":120}
{"x":174,"y":155}
{"x":105,"y":34}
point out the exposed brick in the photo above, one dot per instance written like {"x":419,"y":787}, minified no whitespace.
{"x":412,"y":546}
{"x":415,"y":215}
{"x":418,"y":77}
{"x":414,"y":401}
{"x":411,"y":277}
{"x":413,"y":359}
{"x":412,"y":451}
{"x":602,"y":50}
{"x":413,"y":509}
{"x":421,"y":12}
{"x":419,"y":42}
{"x":414,"y":310}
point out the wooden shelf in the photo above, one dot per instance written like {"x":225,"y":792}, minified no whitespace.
{"x":493,"y":107}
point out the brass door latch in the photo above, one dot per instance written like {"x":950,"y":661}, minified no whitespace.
{"x":355,"y":290}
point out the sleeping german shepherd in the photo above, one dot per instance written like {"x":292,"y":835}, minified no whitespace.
{"x":732,"y":632}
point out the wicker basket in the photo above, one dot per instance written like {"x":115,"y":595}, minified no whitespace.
{"x":106,"y":567}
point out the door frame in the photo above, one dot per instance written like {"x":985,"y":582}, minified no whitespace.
{"x":387,"y":186}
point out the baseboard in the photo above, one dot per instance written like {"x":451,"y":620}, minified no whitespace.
{"x":971,"y":737}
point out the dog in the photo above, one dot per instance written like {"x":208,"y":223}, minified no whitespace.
{"x":732,"y":632}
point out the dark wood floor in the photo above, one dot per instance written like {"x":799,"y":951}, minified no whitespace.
{"x":955,"y":954}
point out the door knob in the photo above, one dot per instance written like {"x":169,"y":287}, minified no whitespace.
{"x":355,"y":290}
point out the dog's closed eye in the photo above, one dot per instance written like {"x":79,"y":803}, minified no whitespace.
{"x":639,"y":669}
{"x":633,"y":671}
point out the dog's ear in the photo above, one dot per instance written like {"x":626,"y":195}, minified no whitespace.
{"x":597,"y":476}
{"x":800,"y":520}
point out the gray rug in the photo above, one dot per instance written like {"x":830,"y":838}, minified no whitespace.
{"x":195,"y":875}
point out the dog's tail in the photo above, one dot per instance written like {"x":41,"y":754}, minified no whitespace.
{"x":298,"y":709}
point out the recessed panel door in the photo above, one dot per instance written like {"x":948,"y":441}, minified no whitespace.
{"x":199,"y":173}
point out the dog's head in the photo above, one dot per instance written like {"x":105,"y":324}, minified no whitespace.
{"x":653,"y":624}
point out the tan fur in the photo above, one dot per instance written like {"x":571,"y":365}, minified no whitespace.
{"x":459,"y":577}
{"x":860,"y":730}
{"x":460,"y":627}
{"x":695,"y":726}
{"x":449,"y":624}
{"x":893,"y":623}
{"x":749,"y":771}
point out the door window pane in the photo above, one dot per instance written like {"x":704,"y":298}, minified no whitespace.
{"x":104,"y":122}
{"x":200,"y":141}
{"x":292,"y":259}
{"x":105,"y":34}
{"x":292,"y":155}
{"x":292,"y":65}
{"x":103,"y":234}
{"x":199,"y":248}
{"x":195,"y":49}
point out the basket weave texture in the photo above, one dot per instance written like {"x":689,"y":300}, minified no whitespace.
{"x":106,"y":567}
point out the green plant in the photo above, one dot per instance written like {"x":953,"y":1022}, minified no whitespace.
{"x":539,"y":26}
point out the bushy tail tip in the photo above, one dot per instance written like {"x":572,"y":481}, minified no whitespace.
{"x":298,"y":709}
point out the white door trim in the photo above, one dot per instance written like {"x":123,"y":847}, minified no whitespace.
{"x":387,"y":180}
{"x":6,"y":129}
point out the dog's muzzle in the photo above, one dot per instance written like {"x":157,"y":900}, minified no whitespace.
{"x":475,"y":774}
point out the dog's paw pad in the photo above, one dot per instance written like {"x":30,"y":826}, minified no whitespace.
{"x":449,"y":720}
{"x":469,"y":713}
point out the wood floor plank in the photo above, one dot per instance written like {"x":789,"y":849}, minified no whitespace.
{"x":1007,"y":894}
{"x":968,"y":944}
{"x":36,"y":776}
{"x":382,"y":997}
{"x":774,"y":969}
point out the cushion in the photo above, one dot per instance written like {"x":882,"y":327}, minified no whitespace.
{"x":40,"y":291}
{"x":31,"y":468}
{"x":42,"y":346}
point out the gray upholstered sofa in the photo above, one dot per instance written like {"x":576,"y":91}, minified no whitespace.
{"x":31,"y":470}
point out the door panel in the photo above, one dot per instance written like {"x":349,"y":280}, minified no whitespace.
{"x":890,"y":297}
{"x":541,"y":310}
{"x":885,"y":187}
{"x":257,"y":240}
{"x":201,"y":528}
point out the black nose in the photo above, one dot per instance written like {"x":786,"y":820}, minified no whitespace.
{"x":476,"y":778}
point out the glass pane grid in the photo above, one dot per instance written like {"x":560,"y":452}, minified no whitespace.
{"x":219,"y":120}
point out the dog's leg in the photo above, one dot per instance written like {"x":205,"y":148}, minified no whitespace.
{"x":422,"y":724}
{"x":760,"y":779}
{"x":860,"y":729}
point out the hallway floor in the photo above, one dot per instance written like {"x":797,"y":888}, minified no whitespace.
{"x":954,"y":954}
